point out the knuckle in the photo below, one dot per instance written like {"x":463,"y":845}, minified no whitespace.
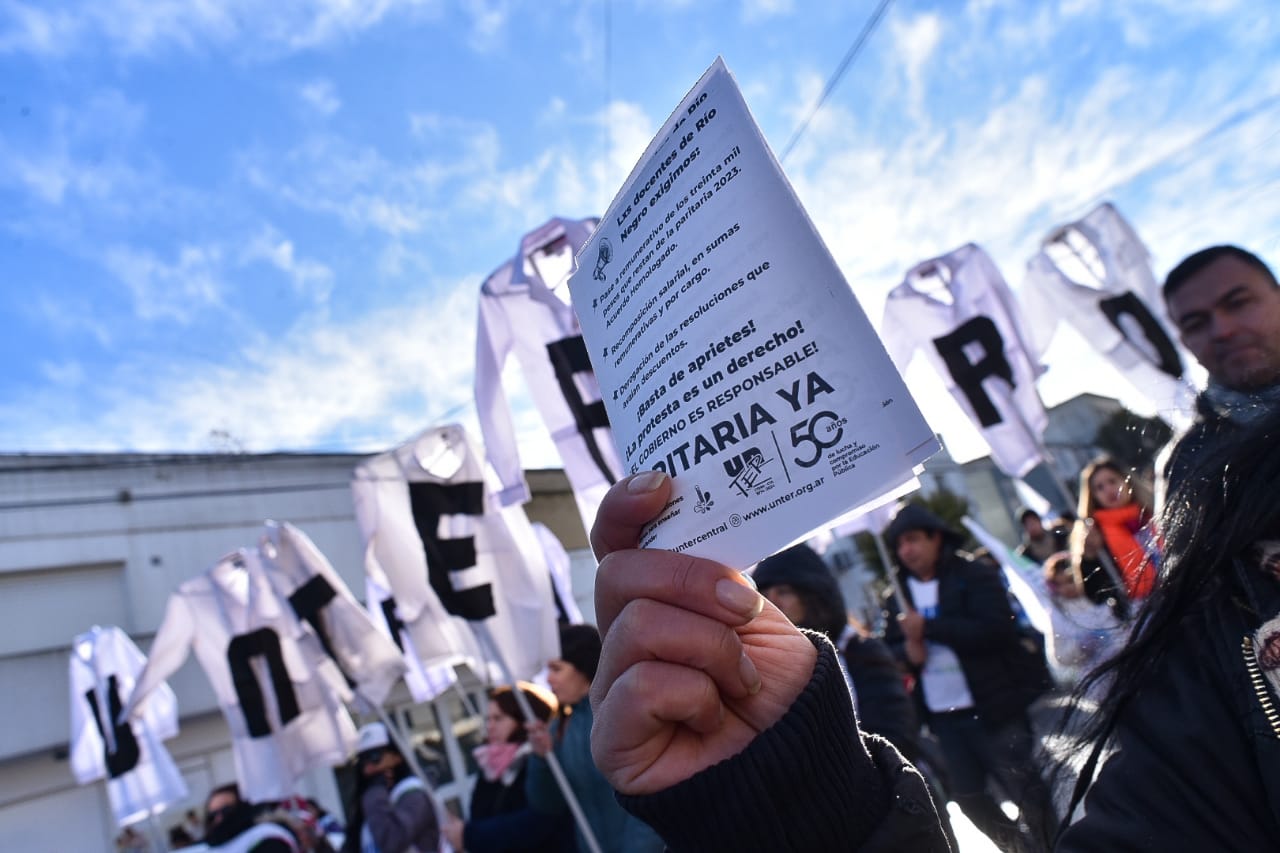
{"x":684,"y":576}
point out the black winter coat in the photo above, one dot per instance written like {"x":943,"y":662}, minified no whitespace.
{"x":884,"y":708}
{"x":1002,"y":663}
{"x":1197,"y":752}
{"x":502,"y":821}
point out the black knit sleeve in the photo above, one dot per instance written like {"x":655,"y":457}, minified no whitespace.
{"x":807,"y":783}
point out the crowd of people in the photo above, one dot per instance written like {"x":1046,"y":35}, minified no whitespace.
{"x":1179,"y":617}
{"x":725,"y":710}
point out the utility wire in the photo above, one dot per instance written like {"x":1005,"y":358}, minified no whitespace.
{"x":867,"y":29}
{"x":1223,"y":125}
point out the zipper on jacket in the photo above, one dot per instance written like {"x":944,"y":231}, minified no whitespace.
{"x":1260,"y":685}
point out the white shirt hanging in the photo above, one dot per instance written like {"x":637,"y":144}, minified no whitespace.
{"x":958,"y":309}
{"x":525,"y":312}
{"x":142,"y":779}
{"x":281,"y":694}
{"x":451,"y":556}
{"x":300,"y":573}
{"x":1095,"y":274}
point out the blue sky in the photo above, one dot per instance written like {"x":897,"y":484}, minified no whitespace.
{"x":260,"y":226}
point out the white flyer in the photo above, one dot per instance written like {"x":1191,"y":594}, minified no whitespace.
{"x":730,"y":350}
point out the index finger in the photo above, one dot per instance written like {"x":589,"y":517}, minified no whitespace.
{"x":629,"y":505}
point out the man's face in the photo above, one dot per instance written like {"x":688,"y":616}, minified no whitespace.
{"x":1033,"y":527}
{"x":918,"y":551}
{"x":375,"y":761}
{"x":1228,"y":315}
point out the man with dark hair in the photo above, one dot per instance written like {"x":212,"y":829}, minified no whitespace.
{"x":975,"y":678}
{"x":1038,"y":543}
{"x":1225,"y":303}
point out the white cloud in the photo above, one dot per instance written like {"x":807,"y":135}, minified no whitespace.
{"x":178,"y":291}
{"x":69,"y":317}
{"x":321,"y":96}
{"x":759,"y":10}
{"x":84,"y":152}
{"x":1145,"y":24}
{"x":65,"y":373}
{"x":363,"y":384}
{"x":488,"y":23}
{"x":38,"y":31}
{"x":466,"y":175}
{"x":914,"y":41}
{"x":354,"y":184}
{"x":307,"y":276}
{"x":147,"y":27}
{"x":629,"y":129}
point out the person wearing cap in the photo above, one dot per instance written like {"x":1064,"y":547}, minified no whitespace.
{"x":803,"y":588}
{"x":974,"y":677}
{"x":394,"y":813}
{"x":569,"y":737}
{"x":798,"y":583}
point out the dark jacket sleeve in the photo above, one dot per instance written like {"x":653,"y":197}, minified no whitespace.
{"x":981,"y":619}
{"x":395,"y":827}
{"x":809,"y":782}
{"x":884,"y":706}
{"x":523,"y":829}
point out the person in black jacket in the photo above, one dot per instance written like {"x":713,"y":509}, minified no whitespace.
{"x":975,"y":677}
{"x":799,"y":584}
{"x":395,"y":810}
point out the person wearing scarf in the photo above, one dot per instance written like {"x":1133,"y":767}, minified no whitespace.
{"x":501,"y":819}
{"x":1111,"y":500}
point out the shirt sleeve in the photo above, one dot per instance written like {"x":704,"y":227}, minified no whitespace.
{"x":169,"y":650}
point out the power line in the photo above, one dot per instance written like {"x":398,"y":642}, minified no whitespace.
{"x":867,"y":29}
{"x":1223,"y":125}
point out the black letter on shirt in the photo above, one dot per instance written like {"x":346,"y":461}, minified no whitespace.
{"x":394,"y":623}
{"x":968,"y":375}
{"x":308,"y":601}
{"x":429,"y":502}
{"x":125,"y":758}
{"x":1128,"y":303}
{"x":240,"y":651}
{"x":568,"y":357}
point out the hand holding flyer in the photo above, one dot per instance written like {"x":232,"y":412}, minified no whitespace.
{"x":730,"y":350}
